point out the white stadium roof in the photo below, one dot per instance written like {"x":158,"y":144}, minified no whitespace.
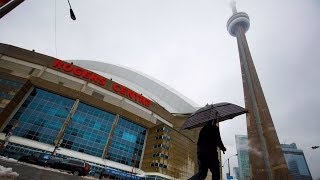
{"x":156,"y":91}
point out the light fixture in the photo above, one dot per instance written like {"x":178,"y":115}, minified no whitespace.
{"x":72,"y":15}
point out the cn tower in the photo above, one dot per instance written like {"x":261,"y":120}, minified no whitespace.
{"x":266,"y":158}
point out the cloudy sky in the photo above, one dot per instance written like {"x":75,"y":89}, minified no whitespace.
{"x":185,"y":44}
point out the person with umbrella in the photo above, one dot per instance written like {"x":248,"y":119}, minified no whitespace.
{"x":209,"y":140}
{"x":209,"y":137}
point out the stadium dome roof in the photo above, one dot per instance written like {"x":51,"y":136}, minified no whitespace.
{"x":160,"y":93}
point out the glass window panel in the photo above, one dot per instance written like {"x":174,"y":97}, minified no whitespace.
{"x":125,"y":144}
{"x":85,"y":128}
{"x":36,"y":120}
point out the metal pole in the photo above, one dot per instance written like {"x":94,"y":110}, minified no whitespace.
{"x":7,"y":8}
{"x":228,"y":167}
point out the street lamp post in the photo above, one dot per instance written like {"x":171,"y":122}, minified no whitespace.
{"x":228,"y":174}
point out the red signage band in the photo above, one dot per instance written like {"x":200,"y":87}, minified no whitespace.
{"x":79,"y":72}
{"x":118,"y":88}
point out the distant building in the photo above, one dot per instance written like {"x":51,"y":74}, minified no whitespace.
{"x":243,"y":157}
{"x":297,"y":164}
{"x":236,"y":172}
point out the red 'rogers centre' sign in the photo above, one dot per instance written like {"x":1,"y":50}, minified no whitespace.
{"x":79,"y":72}
{"x":118,"y":88}
{"x":131,"y":94}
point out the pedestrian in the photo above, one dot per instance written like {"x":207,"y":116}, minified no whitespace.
{"x":209,"y":140}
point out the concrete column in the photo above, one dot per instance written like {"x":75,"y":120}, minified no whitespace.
{"x":41,"y":71}
{"x":265,"y":154}
{"x":65,"y":124}
{"x":143,"y":149}
{"x":105,"y":150}
{"x":115,"y":122}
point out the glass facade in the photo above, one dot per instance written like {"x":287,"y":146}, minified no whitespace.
{"x":296,"y":162}
{"x":5,"y":94}
{"x":11,"y":83}
{"x":243,"y":157}
{"x":88,"y":130}
{"x":43,"y":113}
{"x":41,"y":116}
{"x":127,"y":143}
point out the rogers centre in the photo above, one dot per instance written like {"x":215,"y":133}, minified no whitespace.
{"x":118,"y":118}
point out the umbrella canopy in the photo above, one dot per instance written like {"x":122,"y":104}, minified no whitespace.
{"x":216,"y":112}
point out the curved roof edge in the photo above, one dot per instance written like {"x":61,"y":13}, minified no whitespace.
{"x":158,"y":91}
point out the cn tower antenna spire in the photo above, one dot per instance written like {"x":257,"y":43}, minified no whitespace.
{"x":233,"y":6}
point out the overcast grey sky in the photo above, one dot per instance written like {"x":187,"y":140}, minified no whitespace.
{"x":185,"y":44}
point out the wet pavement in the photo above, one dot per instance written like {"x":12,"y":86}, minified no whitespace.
{"x":33,"y":172}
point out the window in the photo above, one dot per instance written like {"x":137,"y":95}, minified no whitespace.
{"x":167,"y":138}
{"x":46,"y":156}
{"x":88,"y":130}
{"x":11,"y":83}
{"x":159,"y":165}
{"x":160,"y":155}
{"x":35,"y":118}
{"x":163,"y":146}
{"x":165,"y":129}
{"x":127,"y":143}
{"x":36,"y":155}
{"x":6,"y":96}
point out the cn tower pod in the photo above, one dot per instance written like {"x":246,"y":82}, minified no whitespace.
{"x":239,"y":19}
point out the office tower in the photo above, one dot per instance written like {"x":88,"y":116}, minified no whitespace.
{"x":243,"y":157}
{"x":236,"y":172}
{"x":297,"y":164}
{"x":265,"y":154}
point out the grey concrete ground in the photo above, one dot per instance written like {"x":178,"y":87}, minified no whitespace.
{"x":33,"y":172}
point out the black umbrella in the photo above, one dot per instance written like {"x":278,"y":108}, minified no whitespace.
{"x":217,"y":112}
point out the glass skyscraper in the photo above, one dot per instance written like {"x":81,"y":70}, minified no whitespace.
{"x":297,"y":164}
{"x":236,"y":172}
{"x":243,"y":157}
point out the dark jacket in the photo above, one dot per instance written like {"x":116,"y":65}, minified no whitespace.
{"x":209,"y":139}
